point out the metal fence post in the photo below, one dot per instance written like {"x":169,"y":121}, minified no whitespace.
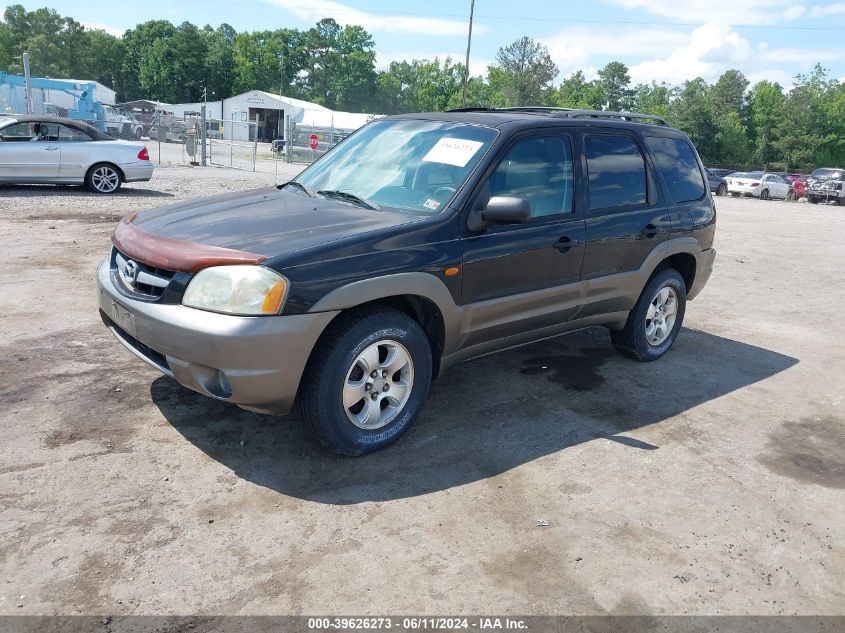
{"x":202,"y":136}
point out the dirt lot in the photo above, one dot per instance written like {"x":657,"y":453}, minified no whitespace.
{"x":710,"y":482}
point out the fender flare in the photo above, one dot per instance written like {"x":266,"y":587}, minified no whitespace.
{"x":419,"y":284}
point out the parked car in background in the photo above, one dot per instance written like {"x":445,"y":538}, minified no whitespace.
{"x":799,"y":186}
{"x":51,"y":150}
{"x":721,"y":173}
{"x":826,"y":184}
{"x":758,"y":184}
{"x":718,"y":184}
{"x":421,"y":241}
{"x":119,"y":125}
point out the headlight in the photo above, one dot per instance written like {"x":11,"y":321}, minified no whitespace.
{"x":246,"y":290}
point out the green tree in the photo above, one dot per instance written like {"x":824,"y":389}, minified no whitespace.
{"x":653,"y":98}
{"x":527,"y":70}
{"x":692,"y":113}
{"x":576,"y":92}
{"x":615,"y":84}
{"x":765,"y":106}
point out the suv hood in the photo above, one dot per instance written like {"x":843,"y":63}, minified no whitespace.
{"x":265,"y":222}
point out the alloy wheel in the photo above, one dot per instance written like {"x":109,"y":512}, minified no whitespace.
{"x":105,"y":179}
{"x":378,"y":385}
{"x":661,"y":315}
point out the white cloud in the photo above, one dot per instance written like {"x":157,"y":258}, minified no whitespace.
{"x":746,"y":12}
{"x":319,"y":9}
{"x":801,"y":55}
{"x":573,"y":48}
{"x":829,"y":9}
{"x":708,"y":51}
{"x":477,"y":65}
{"x":97,"y":26}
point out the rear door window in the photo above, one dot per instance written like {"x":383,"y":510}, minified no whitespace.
{"x":617,"y":172}
{"x":676,"y":160}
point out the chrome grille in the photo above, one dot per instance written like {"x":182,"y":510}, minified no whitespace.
{"x":137,"y":278}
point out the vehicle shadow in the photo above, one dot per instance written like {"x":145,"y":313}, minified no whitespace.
{"x":482,"y":418}
{"x":52,"y":191}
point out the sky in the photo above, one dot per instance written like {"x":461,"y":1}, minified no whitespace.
{"x":659,"y":40}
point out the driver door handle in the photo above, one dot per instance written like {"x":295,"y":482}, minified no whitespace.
{"x":565,"y":243}
{"x":51,"y":148}
{"x":649,"y":230}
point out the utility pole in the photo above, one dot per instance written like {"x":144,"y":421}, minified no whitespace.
{"x":469,"y":43}
{"x":30,"y":103}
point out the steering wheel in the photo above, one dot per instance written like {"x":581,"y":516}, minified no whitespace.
{"x":443,"y":193}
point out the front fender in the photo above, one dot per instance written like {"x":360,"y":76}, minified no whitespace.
{"x":420,"y":284}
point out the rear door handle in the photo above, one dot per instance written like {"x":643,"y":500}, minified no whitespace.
{"x":564,"y":244}
{"x":649,"y":230}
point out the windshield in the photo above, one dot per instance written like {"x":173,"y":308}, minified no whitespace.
{"x":405,"y":164}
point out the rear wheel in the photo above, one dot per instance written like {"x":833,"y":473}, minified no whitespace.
{"x":722,"y":190}
{"x":812,"y":200}
{"x":366,"y":381}
{"x":735,"y":194}
{"x":656,"y":319}
{"x":103,"y":178}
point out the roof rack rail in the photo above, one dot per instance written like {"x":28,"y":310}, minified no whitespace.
{"x":570,"y":113}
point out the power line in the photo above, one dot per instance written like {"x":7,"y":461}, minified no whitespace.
{"x":524,"y":18}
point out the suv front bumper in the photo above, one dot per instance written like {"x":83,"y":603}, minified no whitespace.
{"x":254,"y":362}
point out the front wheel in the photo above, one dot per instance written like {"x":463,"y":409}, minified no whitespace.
{"x":656,"y":319}
{"x":812,"y":200}
{"x":764,"y":195}
{"x":366,"y":380}
{"x":722,"y":190}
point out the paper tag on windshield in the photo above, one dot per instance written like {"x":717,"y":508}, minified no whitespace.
{"x":452,"y":151}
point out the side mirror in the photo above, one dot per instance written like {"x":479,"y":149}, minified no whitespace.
{"x":507,"y":210}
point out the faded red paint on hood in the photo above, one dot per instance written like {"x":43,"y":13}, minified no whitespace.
{"x":173,"y":254}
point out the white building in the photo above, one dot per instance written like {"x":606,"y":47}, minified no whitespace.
{"x":260,"y":115}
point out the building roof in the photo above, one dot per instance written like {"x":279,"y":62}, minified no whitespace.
{"x":145,"y":103}
{"x":336,"y":120}
{"x":296,"y":103}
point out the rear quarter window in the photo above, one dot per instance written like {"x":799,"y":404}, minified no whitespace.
{"x":616,"y":169}
{"x":676,"y":160}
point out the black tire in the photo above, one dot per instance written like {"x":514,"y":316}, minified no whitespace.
{"x":812,"y":200}
{"x":735,"y":194}
{"x":722,"y":190}
{"x":320,"y":402}
{"x":764,"y":195}
{"x":92,"y":178}
{"x":631,"y":341}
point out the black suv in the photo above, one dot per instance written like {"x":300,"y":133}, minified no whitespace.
{"x":420,"y":241}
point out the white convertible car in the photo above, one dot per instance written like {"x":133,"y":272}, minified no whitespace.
{"x":41,"y":149}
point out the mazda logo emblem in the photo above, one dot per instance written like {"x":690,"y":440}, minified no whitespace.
{"x":130,"y":272}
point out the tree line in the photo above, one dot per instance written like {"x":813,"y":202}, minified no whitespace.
{"x":731,"y":122}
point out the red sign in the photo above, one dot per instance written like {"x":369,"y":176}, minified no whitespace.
{"x":313,"y":141}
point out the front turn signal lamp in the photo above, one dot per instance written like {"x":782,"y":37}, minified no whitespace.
{"x":241,"y":290}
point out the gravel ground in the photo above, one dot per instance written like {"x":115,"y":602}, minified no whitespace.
{"x":710,"y":482}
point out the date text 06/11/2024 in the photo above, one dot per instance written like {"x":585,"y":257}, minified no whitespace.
{"x":417,"y":623}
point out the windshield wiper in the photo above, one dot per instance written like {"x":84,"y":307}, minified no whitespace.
{"x":350,"y":197}
{"x":292,"y":183}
